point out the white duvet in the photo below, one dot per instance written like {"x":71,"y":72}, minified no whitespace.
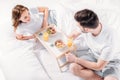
{"x":17,"y":60}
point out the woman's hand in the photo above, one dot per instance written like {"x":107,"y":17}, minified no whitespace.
{"x":22,"y":37}
{"x":70,"y":57}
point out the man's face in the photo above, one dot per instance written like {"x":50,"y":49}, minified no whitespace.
{"x":84,"y":30}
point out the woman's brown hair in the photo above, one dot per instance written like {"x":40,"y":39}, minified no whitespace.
{"x":16,"y":14}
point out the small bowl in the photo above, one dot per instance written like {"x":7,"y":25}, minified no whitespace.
{"x":51,"y":30}
{"x":59,"y":44}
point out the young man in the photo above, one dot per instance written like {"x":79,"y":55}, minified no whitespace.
{"x":100,"y":41}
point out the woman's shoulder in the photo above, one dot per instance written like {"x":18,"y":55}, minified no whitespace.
{"x":34,"y":10}
{"x":21,"y":27}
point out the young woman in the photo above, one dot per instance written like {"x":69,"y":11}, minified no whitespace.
{"x":27,"y":22}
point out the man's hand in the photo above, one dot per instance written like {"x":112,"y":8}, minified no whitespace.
{"x":74,"y":34}
{"x":70,"y":57}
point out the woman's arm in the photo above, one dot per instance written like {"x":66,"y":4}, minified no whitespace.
{"x":21,"y":37}
{"x":45,"y":19}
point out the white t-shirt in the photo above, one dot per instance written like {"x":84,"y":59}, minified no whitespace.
{"x":101,"y":46}
{"x":33,"y":26}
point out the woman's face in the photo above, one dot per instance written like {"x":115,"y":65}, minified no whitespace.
{"x":25,"y":17}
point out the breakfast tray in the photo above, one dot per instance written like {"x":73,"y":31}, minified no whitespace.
{"x":58,"y":53}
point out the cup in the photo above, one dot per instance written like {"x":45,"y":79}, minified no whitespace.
{"x":45,"y":36}
{"x":70,"y":42}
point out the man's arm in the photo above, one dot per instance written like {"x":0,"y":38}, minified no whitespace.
{"x":100,"y":64}
{"x":74,"y":34}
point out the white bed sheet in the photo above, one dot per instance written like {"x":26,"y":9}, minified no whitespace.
{"x":16,"y":54}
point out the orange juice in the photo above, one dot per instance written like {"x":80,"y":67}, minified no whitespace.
{"x":45,"y":36}
{"x":70,"y":42}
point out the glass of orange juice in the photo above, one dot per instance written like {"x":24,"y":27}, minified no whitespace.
{"x":70,"y":42}
{"x":45,"y":36}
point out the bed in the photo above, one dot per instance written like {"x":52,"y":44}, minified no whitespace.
{"x":18,"y":63}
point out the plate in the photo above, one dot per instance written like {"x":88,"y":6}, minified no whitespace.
{"x":51,"y":30}
{"x":59,"y":44}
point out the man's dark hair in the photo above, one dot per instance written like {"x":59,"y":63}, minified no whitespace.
{"x":87,"y":18}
